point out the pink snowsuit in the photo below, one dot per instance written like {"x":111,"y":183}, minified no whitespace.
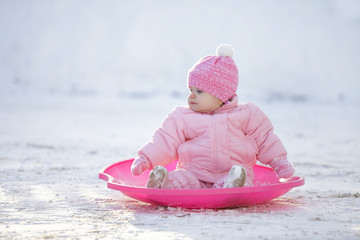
{"x":208,"y":145}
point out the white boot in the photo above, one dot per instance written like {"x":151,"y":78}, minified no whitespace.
{"x":158,"y":178}
{"x":236,"y":177}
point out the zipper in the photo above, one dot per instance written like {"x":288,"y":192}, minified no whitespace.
{"x":214,"y":147}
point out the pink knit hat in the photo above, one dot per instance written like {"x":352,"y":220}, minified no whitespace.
{"x":217,"y":75}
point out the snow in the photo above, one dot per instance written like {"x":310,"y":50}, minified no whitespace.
{"x":84,"y":84}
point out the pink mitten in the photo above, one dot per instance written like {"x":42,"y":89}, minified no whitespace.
{"x":140,"y":165}
{"x":282,"y":167}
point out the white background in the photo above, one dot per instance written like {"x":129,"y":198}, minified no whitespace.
{"x":84,"y":84}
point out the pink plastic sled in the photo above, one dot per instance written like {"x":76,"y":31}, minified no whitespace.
{"x":267,"y":187}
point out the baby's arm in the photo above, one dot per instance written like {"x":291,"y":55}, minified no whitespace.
{"x":282,"y":167}
{"x":164,"y":145}
{"x":271,"y":151}
{"x":140,"y":165}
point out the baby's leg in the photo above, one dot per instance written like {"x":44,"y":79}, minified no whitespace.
{"x":236,"y":177}
{"x":158,"y":178}
{"x":183,"y":179}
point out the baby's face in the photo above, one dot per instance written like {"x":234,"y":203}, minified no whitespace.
{"x":200,"y":101}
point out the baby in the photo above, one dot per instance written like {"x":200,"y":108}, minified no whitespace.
{"x":216,"y":140}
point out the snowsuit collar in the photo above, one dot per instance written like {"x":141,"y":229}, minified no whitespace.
{"x":228,"y":106}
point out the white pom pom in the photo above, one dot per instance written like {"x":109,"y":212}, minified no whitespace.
{"x":225,"y":50}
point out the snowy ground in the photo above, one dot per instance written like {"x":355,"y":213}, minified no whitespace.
{"x":51,"y":149}
{"x":84,"y":84}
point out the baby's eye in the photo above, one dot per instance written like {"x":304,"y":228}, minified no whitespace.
{"x":199,"y":91}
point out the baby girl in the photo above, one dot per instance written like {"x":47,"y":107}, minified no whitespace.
{"x":216,"y":140}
